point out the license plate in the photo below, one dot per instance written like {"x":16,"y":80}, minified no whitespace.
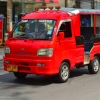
{"x":12,"y":68}
{"x":9,"y":68}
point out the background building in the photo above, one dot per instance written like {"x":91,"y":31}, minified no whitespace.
{"x":12,"y":8}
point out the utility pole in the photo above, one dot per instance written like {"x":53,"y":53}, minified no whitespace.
{"x":9,"y":15}
{"x":77,"y":2}
{"x":92,"y":4}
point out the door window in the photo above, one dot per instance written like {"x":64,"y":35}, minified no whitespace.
{"x":66,"y":28}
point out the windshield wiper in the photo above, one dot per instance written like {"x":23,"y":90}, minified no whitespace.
{"x":20,"y":37}
{"x":41,"y":39}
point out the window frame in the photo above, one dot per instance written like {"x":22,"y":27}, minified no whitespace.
{"x":62,"y":21}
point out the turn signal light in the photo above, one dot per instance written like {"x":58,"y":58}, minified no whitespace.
{"x":40,"y":64}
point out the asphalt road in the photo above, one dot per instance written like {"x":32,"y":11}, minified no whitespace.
{"x":80,"y":86}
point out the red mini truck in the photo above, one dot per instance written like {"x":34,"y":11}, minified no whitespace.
{"x":54,"y":42}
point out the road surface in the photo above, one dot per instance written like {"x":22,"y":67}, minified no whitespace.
{"x":80,"y":86}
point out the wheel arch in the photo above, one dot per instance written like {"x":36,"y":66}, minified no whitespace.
{"x":94,"y":65}
{"x":98,"y":55}
{"x":66,"y":60}
{"x":60,"y":76}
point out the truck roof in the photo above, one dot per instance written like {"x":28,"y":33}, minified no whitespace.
{"x":84,"y":11}
{"x":47,"y":14}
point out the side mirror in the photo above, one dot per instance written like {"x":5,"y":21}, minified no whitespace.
{"x":9,"y":33}
{"x":61,"y":35}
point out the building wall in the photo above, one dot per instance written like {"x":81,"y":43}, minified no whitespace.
{"x":29,"y":7}
{"x":61,"y":3}
{"x":87,"y":4}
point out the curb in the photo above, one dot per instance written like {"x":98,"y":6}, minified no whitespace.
{"x":1,"y":59}
{"x":1,"y":46}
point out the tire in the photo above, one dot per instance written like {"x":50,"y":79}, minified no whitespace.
{"x":20,"y":75}
{"x":64,"y":73}
{"x":94,"y":66}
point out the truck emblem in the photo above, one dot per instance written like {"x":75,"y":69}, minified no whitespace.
{"x":22,"y":49}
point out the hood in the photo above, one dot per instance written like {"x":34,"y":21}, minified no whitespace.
{"x":26,"y":48}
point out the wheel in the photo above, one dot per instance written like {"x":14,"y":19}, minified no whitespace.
{"x":94,"y":65}
{"x":20,"y":75}
{"x":63,"y":73}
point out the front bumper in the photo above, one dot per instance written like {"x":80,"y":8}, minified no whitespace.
{"x":29,"y":66}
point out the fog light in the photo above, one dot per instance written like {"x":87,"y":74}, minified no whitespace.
{"x":7,"y":62}
{"x":40,"y":64}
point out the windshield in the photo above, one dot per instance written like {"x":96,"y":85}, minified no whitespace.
{"x":34,"y":29}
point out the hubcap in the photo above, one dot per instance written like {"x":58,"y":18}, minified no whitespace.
{"x":64,"y":72}
{"x":96,"y":65}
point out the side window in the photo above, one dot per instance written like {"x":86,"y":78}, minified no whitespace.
{"x":66,"y":28}
{"x":87,"y":26}
{"x":86,"y":20}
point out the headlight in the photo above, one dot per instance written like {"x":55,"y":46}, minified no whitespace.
{"x":45,"y":52}
{"x":7,"y":49}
